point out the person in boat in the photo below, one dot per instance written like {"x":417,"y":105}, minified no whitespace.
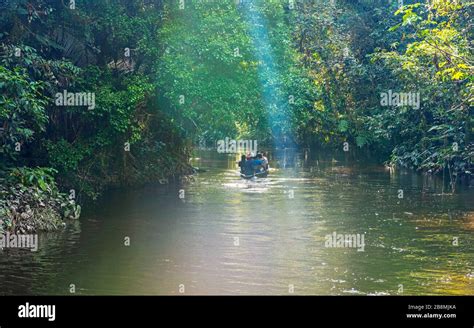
{"x":242,"y":161}
{"x":263,"y":158}
{"x":258,"y":164}
{"x":258,"y":161}
{"x":249,"y":164}
{"x":265,"y":161}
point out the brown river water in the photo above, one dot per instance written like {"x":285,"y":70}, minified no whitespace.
{"x":268,"y":236}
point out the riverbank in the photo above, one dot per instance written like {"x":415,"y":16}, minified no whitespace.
{"x":30,"y":202}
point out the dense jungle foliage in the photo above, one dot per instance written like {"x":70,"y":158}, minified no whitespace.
{"x":167,"y":75}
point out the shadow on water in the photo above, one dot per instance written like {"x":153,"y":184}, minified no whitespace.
{"x":264,"y":236}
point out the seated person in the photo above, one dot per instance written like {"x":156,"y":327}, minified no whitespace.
{"x":259,"y":161}
{"x":242,"y":161}
{"x":265,"y":161}
{"x":251,"y":165}
{"x":248,"y":167}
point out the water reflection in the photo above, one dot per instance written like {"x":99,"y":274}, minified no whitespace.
{"x":231,"y":236}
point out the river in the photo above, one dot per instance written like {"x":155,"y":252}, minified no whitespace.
{"x":218,"y":234}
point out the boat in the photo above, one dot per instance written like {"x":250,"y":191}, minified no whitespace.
{"x":260,"y":172}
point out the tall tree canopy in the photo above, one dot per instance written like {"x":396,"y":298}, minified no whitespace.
{"x":167,"y":74}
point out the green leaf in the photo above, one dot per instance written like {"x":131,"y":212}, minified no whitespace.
{"x":42,"y":185}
